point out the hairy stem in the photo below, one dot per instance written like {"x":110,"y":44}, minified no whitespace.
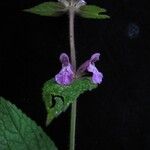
{"x":73,"y":62}
{"x":72,"y":41}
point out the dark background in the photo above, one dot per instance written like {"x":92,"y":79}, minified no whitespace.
{"x":116,"y":114}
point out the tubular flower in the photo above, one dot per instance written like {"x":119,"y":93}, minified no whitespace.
{"x":66,"y":74}
{"x":97,"y":76}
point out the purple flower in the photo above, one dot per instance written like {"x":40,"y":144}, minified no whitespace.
{"x":66,"y":74}
{"x":89,"y":65}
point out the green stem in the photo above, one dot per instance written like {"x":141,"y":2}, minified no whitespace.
{"x":73,"y":62}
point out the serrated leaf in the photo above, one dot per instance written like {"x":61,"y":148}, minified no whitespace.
{"x":57,"y":98}
{"x":18,"y":132}
{"x":47,"y":9}
{"x":93,"y":12}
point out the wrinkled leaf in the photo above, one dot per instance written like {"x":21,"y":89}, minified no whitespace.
{"x":93,"y":12}
{"x":47,"y":9}
{"x":18,"y":132}
{"x":57,"y":98}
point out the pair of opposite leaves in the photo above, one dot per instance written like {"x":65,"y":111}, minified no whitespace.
{"x":55,"y":9}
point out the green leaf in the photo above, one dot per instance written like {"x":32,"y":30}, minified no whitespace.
{"x":47,"y":9}
{"x":57,"y":97}
{"x":93,"y":12}
{"x":18,"y":132}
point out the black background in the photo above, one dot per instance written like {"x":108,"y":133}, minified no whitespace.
{"x":116,"y":114}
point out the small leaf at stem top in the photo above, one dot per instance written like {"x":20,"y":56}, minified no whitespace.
{"x":53,"y":9}
{"x":93,"y":12}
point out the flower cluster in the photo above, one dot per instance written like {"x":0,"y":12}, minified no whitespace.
{"x":67,"y":75}
{"x":75,"y":3}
